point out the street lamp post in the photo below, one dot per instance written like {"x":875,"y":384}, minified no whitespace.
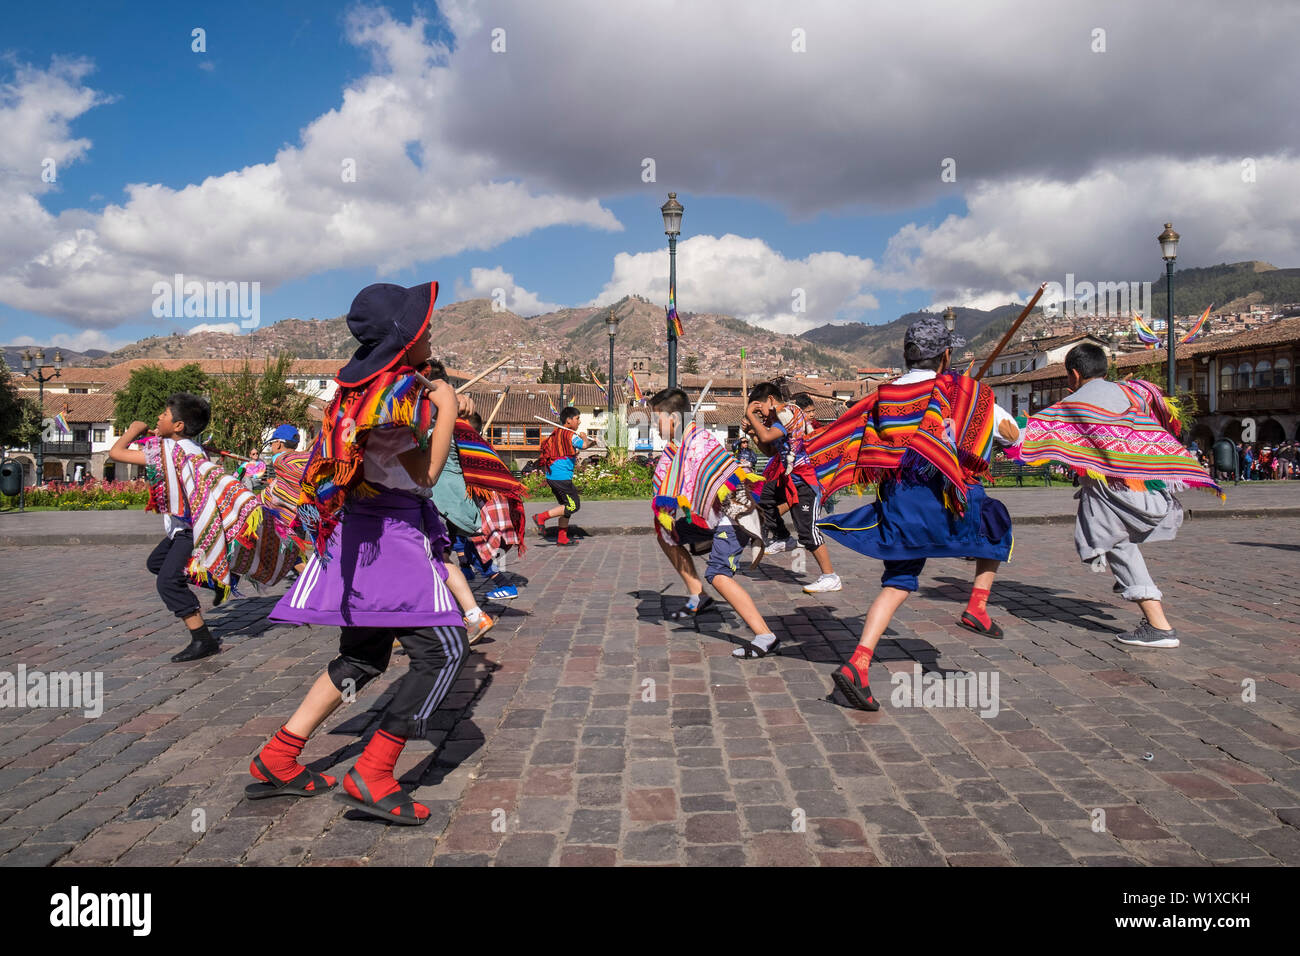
{"x":1169,"y":251}
{"x":611,"y":325}
{"x":672,"y":212}
{"x":34,"y":367}
{"x":950,"y":319}
{"x":563,"y":368}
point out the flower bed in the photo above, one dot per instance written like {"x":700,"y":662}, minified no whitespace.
{"x":600,"y":481}
{"x":90,"y":496}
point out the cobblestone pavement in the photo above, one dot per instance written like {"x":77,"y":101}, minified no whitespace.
{"x":586,"y":729}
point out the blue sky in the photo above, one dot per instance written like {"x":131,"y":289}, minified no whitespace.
{"x":815,"y":169}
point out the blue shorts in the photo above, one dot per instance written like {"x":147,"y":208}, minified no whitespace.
{"x":724,"y":554}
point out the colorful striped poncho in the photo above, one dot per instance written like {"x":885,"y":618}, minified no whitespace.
{"x":224,"y":513}
{"x":486,"y":475}
{"x":558,"y":444}
{"x":393,"y":399}
{"x":281,"y":494}
{"x":1136,"y":449}
{"x":696,"y":476}
{"x":946,"y":420}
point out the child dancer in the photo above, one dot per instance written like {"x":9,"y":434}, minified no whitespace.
{"x":700,"y":496}
{"x":184,"y":417}
{"x":784,"y":427}
{"x":376,"y":572}
{"x":924,"y":438}
{"x":559,"y":456}
{"x":1117,"y":437}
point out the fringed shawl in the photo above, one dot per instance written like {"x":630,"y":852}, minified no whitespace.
{"x":486,"y":475}
{"x":696,"y":475}
{"x":393,"y":399}
{"x":223,"y":512}
{"x":558,"y":444}
{"x":1133,"y":449}
{"x":947,"y":421}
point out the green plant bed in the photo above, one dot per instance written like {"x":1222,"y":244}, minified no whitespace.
{"x":604,"y":482}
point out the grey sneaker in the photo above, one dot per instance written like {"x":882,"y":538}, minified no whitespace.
{"x":1144,"y":635}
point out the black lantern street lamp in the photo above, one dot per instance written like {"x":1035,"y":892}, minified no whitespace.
{"x":563,"y":368}
{"x":672,"y":212}
{"x":950,"y":319}
{"x":34,"y":367}
{"x":1169,"y":251}
{"x":611,"y":325}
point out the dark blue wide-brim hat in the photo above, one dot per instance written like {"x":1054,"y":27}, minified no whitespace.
{"x":387,"y":320}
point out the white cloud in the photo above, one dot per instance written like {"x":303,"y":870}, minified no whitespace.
{"x":229,"y":328}
{"x":747,"y":278}
{"x":1101,"y":228}
{"x":292,"y":216}
{"x":497,"y":283}
{"x":82,"y":341}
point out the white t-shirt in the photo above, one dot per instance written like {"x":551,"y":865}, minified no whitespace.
{"x":172,"y":524}
{"x":381,"y":466}
{"x":1000,"y":414}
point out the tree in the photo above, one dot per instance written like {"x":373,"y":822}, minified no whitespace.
{"x":20,"y":417}
{"x":691,"y":365}
{"x":546,"y":373}
{"x":145,"y":395}
{"x":245,"y":405}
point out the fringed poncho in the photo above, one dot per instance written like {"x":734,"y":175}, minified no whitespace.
{"x":947,"y":421}
{"x":696,"y":478}
{"x":393,"y":399}
{"x":1135,"y":449}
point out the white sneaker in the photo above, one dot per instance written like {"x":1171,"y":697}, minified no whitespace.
{"x":827,"y":582}
{"x":781,"y":547}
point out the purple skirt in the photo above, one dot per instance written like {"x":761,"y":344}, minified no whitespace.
{"x":383,"y":569}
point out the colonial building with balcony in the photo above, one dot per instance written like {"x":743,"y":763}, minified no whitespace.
{"x":1247,"y":376}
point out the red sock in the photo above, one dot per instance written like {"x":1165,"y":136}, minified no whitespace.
{"x":563,"y":537}
{"x":375,"y":767}
{"x":861,"y":659}
{"x":977,"y":607}
{"x":281,"y":755}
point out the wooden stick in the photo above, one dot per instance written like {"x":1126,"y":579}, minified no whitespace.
{"x":562,"y":428}
{"x":488,"y":424}
{"x":227,"y":454}
{"x":988,"y":363}
{"x":700,"y":401}
{"x":487,"y":371}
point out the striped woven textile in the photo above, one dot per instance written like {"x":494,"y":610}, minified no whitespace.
{"x":487,"y":478}
{"x":947,"y":420}
{"x":1134,"y":449}
{"x":695,"y":475}
{"x":223,"y":512}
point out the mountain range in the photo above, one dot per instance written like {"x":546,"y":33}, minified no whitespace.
{"x":472,"y":333}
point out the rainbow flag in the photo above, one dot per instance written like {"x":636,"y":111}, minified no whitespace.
{"x":550,"y":401}
{"x":596,"y":379}
{"x":631,"y":385}
{"x":1146,"y":335}
{"x":61,"y":424}
{"x":672,"y":310}
{"x":1195,"y":330}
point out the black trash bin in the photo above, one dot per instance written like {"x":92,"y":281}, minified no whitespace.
{"x":11,"y":477}
{"x":1225,"y":458}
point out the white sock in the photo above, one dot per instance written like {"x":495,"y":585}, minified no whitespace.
{"x":765,"y":641}
{"x":694,"y":601}
{"x":473,"y":614}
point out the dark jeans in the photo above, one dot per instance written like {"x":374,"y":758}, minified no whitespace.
{"x":168,"y":561}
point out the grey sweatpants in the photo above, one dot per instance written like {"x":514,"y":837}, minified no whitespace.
{"x":1110,"y":525}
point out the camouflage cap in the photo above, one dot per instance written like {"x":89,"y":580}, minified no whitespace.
{"x":928,"y":337}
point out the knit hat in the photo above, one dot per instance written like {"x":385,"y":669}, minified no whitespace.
{"x":928,"y":337}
